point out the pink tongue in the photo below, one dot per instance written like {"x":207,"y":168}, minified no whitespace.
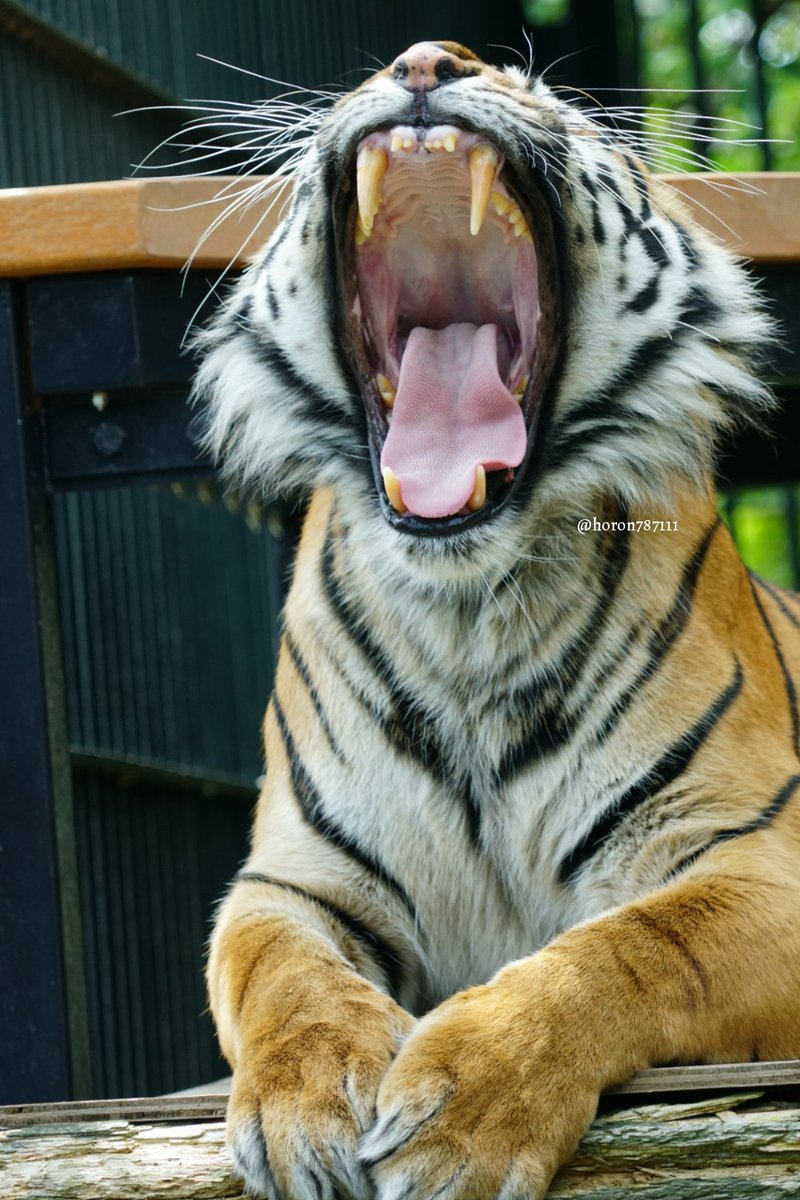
{"x":452,"y":412}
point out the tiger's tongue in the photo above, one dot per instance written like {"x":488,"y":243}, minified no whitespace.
{"x":451,"y":413}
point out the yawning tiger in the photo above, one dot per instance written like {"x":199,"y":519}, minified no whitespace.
{"x":531,"y":814}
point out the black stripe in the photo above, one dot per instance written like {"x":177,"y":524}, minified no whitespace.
{"x":669,"y":767}
{"x":472,"y":811}
{"x":666,"y":633}
{"x":590,"y":190}
{"x":302,"y":670}
{"x":551,"y":726}
{"x":310,"y":803}
{"x":761,"y":821}
{"x":700,"y":309}
{"x":407,"y":727}
{"x":688,"y":245}
{"x":793,"y":618}
{"x":272,"y":302}
{"x":321,"y":405}
{"x":645,"y":298}
{"x":377,"y":947}
{"x":653,"y":246}
{"x":640,"y":183}
{"x":788,"y":682}
{"x":646,"y":359}
{"x":598,"y":229}
{"x":589,"y":425}
{"x":280,"y":238}
{"x":660,"y":927}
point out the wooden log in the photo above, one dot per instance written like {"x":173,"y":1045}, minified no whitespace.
{"x":725,"y":1148}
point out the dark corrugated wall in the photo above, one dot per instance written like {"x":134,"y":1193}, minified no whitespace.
{"x":152,"y":863}
{"x":169,"y":613}
{"x":169,"y":610}
{"x":59,"y":93}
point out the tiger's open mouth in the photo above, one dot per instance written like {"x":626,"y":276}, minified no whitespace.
{"x":450,"y":294}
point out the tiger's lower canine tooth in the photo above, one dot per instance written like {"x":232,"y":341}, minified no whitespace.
{"x":392,"y":485}
{"x":478,"y":497}
{"x":370,"y":170}
{"x":482,"y":167}
{"x":387,"y":390}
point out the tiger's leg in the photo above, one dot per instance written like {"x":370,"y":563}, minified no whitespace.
{"x":300,"y":993}
{"x":494,"y":1089}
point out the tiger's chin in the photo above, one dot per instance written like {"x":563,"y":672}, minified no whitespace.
{"x":450,"y":318}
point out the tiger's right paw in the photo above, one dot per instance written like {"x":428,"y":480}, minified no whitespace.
{"x":304,"y":1093}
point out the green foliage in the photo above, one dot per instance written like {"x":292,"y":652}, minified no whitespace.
{"x":706,"y":77}
{"x":725,"y":58}
{"x":764,"y":525}
{"x":545,"y":12}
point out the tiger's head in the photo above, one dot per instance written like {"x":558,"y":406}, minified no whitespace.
{"x":479,"y":311}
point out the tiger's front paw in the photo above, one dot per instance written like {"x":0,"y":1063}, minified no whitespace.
{"x":485,"y":1100}
{"x":303,"y":1095}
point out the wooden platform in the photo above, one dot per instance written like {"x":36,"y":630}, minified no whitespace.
{"x":713,"y":1144}
{"x":729,"y":1147}
{"x":162,"y":222}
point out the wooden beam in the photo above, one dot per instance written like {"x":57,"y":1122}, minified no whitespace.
{"x":162,"y":222}
{"x":734,"y":1146}
{"x":210,"y":1106}
{"x":128,"y":223}
{"x":755,"y":213}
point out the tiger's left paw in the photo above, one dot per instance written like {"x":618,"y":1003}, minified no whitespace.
{"x":484,"y":1101}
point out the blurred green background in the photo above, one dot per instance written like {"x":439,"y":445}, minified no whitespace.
{"x":734,"y":62}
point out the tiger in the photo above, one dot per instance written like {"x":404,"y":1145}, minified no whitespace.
{"x":531,"y":813}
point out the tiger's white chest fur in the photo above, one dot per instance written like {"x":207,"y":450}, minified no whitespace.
{"x":425,"y":698}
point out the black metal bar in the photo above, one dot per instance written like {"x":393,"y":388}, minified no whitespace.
{"x":699,"y":78}
{"x":144,"y":437}
{"x":595,"y":35}
{"x":112,"y":329}
{"x":167,"y":776}
{"x":760,"y":15}
{"x":34,"y":1062}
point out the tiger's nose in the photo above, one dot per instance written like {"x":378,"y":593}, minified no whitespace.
{"x":424,"y":66}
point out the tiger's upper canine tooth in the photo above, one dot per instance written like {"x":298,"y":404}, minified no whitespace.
{"x":478,"y":497}
{"x":482,"y":167}
{"x":360,"y":236}
{"x":392,"y":485}
{"x":370,"y":170}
